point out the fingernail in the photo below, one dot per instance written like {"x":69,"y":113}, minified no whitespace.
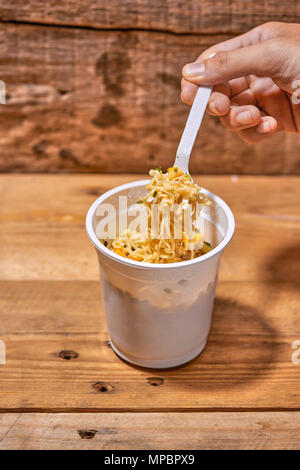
{"x":213,"y":107}
{"x":264,"y":128}
{"x":216,"y":107}
{"x":244,"y":118}
{"x":192,"y":70}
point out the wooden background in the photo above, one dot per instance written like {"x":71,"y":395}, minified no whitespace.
{"x":94,"y":86}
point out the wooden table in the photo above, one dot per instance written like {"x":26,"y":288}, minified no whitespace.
{"x":63,"y":387}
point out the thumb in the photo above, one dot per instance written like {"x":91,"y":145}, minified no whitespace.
{"x":263,"y":59}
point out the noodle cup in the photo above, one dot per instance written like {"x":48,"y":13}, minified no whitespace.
{"x":159,"y":315}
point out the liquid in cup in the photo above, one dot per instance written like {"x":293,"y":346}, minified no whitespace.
{"x":159,"y":315}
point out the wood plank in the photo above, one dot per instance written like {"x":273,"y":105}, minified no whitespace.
{"x":150,"y":431}
{"x":83,"y":100}
{"x":49,"y":303}
{"x":43,"y":216}
{"x":197,"y":16}
{"x":247,"y":364}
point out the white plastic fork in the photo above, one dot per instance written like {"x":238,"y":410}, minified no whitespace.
{"x":192,"y":126}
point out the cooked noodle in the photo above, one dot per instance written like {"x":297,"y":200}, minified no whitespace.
{"x":175,"y":190}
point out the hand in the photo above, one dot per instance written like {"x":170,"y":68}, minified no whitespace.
{"x":254,"y":77}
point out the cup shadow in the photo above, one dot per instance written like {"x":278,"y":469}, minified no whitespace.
{"x":285,"y":265}
{"x":247,"y":357}
{"x":231,"y":356}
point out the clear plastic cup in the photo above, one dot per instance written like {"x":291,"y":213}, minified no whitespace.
{"x":159,"y":315}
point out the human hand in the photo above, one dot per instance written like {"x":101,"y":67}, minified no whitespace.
{"x":254,"y":77}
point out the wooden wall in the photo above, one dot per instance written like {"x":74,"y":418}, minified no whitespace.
{"x":94,"y":86}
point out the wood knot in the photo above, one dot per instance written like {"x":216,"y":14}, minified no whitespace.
{"x":107,"y":116}
{"x":167,"y":290}
{"x":68,"y":355}
{"x":87,"y":433}
{"x":103,"y":387}
{"x":94,"y":191}
{"x":155,"y":381}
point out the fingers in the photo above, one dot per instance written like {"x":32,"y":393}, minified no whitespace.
{"x":235,"y":117}
{"x":244,"y":98}
{"x":241,"y":117}
{"x":250,"y":123}
{"x":188,"y":91}
{"x":253,"y":135}
{"x":267,"y":126}
{"x":261,"y":59}
{"x":238,"y":115}
{"x":231,"y":88}
{"x":237,"y":85}
{"x":274,"y":101}
{"x":218,"y":104}
{"x":254,"y":36}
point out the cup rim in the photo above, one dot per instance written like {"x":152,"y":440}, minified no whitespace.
{"x":141,"y":264}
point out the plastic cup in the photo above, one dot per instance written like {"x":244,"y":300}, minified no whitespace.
{"x":159,"y":315}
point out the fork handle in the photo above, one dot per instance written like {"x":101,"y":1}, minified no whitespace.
{"x":191,"y":128}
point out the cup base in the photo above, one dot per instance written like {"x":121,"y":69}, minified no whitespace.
{"x":159,"y":363}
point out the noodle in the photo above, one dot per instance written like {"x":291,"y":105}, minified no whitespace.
{"x":174,"y":191}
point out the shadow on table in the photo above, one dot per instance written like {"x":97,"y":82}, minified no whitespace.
{"x":242,"y":341}
{"x":242,"y":346}
{"x":284,"y":265}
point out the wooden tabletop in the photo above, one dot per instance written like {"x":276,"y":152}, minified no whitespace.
{"x":243,"y":391}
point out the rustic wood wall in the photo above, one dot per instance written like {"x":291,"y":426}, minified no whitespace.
{"x":94,"y":85}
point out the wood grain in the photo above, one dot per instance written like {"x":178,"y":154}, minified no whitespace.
{"x":197,"y":16}
{"x":247,"y":363}
{"x":84,"y":100}
{"x":52,"y":318}
{"x":151,"y":431}
{"x":43,"y":226}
